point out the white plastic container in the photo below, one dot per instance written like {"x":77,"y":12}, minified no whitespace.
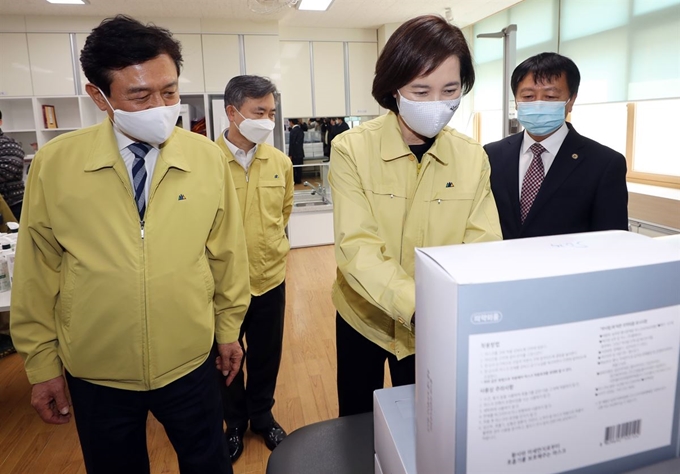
{"x":6,"y":271}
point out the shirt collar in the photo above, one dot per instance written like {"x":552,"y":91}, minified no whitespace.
{"x":242,"y":157}
{"x":552,"y":144}
{"x":236,"y":150}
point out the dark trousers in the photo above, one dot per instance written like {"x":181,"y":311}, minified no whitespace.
{"x":361,"y":369}
{"x":16,"y":209}
{"x":111,"y":424}
{"x":263,"y":331}
{"x":297,"y":172}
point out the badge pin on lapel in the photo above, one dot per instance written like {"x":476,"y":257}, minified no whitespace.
{"x":574,"y":156}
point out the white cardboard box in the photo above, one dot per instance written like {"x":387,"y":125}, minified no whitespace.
{"x":671,"y":240}
{"x":394,"y":430}
{"x":378,"y":467}
{"x":546,"y":355}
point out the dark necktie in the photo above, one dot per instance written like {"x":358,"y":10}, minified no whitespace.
{"x":139,"y":149}
{"x":532,"y":180}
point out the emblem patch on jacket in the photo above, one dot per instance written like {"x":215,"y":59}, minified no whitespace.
{"x":449,"y":184}
{"x":182,"y":197}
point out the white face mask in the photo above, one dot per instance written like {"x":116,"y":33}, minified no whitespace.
{"x":427,"y":118}
{"x":153,"y":126}
{"x":255,"y":130}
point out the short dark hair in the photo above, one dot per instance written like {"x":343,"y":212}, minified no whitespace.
{"x":415,"y":49}
{"x":120,"y":42}
{"x":0,"y":114}
{"x":294,"y":121}
{"x":245,"y":87}
{"x":545,"y":67}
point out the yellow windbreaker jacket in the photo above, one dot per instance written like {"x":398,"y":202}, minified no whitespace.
{"x":265,"y":194}
{"x":385,"y":205}
{"x":119,"y":302}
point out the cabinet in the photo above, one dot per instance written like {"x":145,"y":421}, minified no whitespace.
{"x":263,"y":57}
{"x":51,"y":64}
{"x":329,"y":79}
{"x":15,"y":71}
{"x":80,"y":43}
{"x":191,"y":75}
{"x":296,"y":81}
{"x":221,"y":61}
{"x":362,"y":59}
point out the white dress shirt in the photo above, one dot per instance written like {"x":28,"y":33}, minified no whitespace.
{"x":551,"y":144}
{"x":243,"y":158}
{"x":129,"y":159}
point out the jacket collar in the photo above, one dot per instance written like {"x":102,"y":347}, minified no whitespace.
{"x":393,"y":146}
{"x":260,"y":153}
{"x":105,"y":152}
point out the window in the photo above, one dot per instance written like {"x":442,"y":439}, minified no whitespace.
{"x":652,"y":157}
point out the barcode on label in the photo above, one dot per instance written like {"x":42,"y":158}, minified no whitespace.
{"x":622,"y":431}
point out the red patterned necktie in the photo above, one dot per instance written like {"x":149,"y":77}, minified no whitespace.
{"x":532,"y":180}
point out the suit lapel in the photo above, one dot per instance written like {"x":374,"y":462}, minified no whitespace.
{"x":512,"y":174}
{"x":559,"y":171}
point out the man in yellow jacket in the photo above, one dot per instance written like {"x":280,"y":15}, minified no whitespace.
{"x":263,"y":178}
{"x":131,"y":262}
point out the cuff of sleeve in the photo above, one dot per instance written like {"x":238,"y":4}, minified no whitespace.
{"x":225,"y":333}
{"x":405,"y":305}
{"x":43,"y":374}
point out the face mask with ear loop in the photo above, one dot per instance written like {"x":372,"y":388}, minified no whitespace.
{"x":427,"y":118}
{"x":541,"y":117}
{"x":255,"y":130}
{"x":153,"y":126}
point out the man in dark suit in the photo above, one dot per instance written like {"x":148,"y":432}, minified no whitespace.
{"x":550,"y":180}
{"x":296,"y":150}
{"x":341,"y":126}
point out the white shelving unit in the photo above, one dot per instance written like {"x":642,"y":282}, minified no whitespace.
{"x":23,"y":118}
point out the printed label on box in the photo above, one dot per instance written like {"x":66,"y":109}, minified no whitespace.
{"x":562,"y":397}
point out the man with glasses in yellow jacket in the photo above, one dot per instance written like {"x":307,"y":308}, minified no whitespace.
{"x":263,"y":177}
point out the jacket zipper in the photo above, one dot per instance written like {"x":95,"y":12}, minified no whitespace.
{"x":147,"y":371}
{"x":145,"y":363}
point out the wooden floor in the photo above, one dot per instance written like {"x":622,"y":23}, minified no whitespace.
{"x":306,"y":391}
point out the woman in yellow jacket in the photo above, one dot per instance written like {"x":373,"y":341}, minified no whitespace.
{"x":401,"y":181}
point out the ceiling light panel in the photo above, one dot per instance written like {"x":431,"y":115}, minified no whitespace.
{"x":314,"y":5}
{"x":69,"y":2}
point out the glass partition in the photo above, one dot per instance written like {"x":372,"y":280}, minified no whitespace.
{"x":314,"y":192}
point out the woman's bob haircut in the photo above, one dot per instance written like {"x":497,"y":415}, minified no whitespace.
{"x":415,"y":49}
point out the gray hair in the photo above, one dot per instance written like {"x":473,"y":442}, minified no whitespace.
{"x":245,"y":87}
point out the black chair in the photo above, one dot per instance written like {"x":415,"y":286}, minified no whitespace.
{"x":340,"y":446}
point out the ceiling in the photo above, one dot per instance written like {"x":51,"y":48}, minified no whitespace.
{"x":342,"y":13}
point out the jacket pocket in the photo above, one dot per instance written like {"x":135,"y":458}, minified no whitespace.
{"x":388,"y":200}
{"x":453,"y":194}
{"x":66,"y":298}
{"x":207,"y":278}
{"x":271,"y":194}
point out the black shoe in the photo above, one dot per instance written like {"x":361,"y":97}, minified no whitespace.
{"x":6,"y":346}
{"x":235,"y":441}
{"x":273,"y":435}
